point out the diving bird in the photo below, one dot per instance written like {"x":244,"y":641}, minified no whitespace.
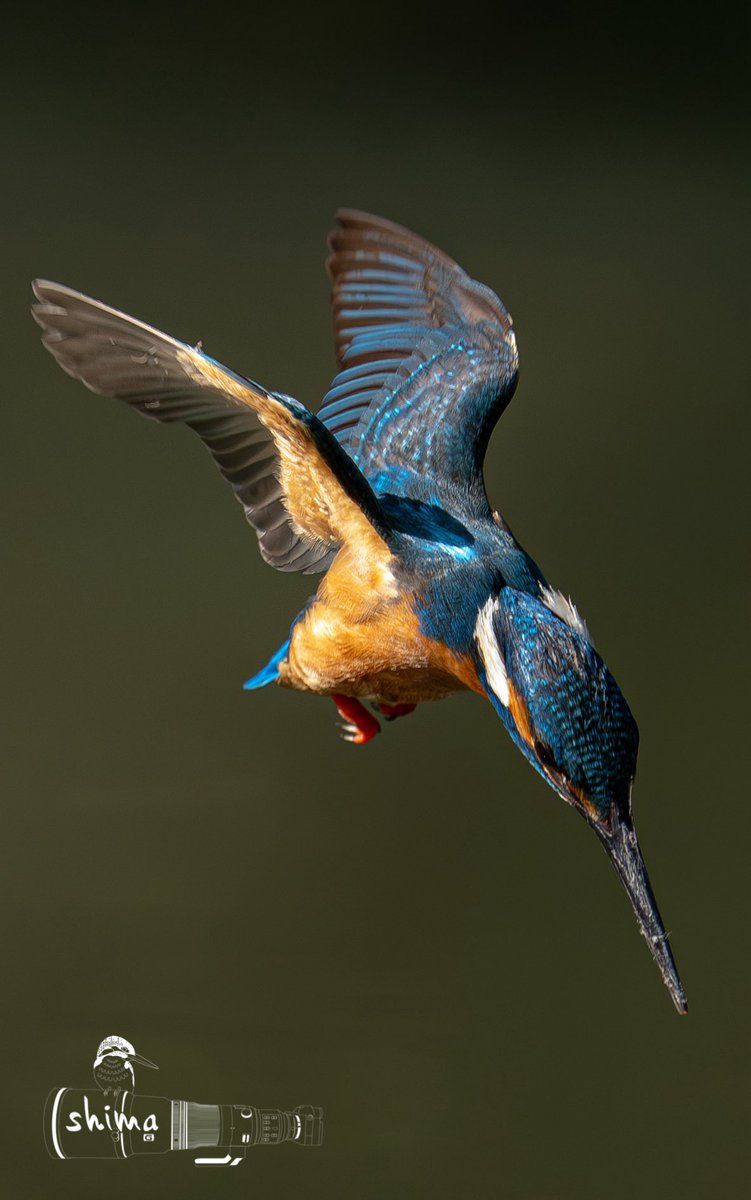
{"x":426,"y":590}
{"x":113,"y":1065}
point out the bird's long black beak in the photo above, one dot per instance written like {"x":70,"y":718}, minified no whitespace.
{"x":623,"y":850}
{"x":143,"y":1062}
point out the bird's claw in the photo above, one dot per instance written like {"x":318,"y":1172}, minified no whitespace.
{"x":359,"y":725}
{"x":350,"y":733}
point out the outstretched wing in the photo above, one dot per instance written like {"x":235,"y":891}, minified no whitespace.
{"x":427,"y":358}
{"x":300,"y":491}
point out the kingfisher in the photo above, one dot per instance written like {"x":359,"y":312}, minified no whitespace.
{"x":425,"y":590}
{"x":113,"y":1065}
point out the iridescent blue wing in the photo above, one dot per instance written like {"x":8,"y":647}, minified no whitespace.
{"x":427,"y":360}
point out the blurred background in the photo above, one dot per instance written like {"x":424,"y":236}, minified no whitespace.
{"x":417,"y":935}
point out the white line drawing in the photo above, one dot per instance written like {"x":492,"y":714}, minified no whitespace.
{"x":112,"y":1120}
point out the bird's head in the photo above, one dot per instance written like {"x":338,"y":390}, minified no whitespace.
{"x":119,"y":1048}
{"x":568,"y":716}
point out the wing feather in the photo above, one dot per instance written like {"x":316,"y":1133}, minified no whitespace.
{"x":427,"y":360}
{"x":300,"y":491}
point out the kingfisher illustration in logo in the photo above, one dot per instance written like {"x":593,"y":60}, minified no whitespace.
{"x":113,"y":1066}
{"x":426,"y":590}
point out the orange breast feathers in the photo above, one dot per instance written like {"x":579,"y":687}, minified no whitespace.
{"x":361,"y":637}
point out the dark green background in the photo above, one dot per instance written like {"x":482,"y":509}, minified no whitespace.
{"x":418,"y":935}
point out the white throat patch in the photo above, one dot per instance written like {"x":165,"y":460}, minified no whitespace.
{"x":490,"y":651}
{"x":566,"y":610}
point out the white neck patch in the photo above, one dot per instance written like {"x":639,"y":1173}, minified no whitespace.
{"x":490,"y":651}
{"x":566,"y":610}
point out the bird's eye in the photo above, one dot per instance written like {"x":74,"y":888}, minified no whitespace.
{"x":544,"y":754}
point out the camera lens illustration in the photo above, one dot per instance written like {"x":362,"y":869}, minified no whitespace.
{"x":111,"y":1120}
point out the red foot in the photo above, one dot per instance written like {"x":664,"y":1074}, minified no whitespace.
{"x":360,"y":726}
{"x":392,"y":711}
